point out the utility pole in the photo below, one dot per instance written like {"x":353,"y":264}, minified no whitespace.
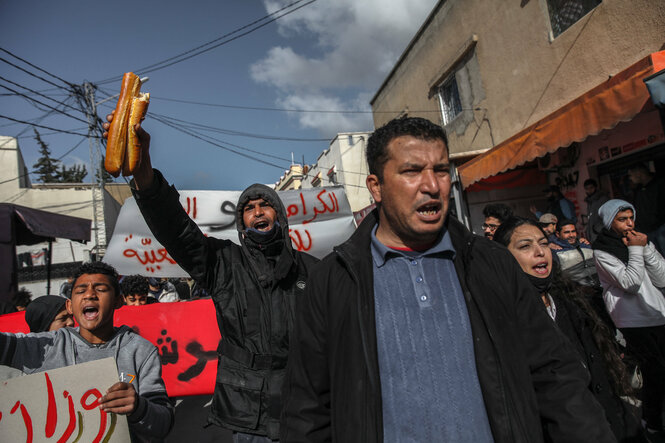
{"x":98,"y":224}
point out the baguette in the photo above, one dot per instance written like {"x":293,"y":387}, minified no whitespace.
{"x":136,"y":115}
{"x":116,"y":145}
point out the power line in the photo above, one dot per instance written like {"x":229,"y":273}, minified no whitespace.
{"x":44,"y":133}
{"x":260,"y":108}
{"x":192,"y":52}
{"x":63,"y":131}
{"x":312,"y":111}
{"x":227,"y":143}
{"x":37,"y":93}
{"x":31,"y":74}
{"x":36,"y":67}
{"x":558,"y":67}
{"x":22,"y":131}
{"x":44,"y":104}
{"x":167,"y":123}
{"x":239,"y":133}
{"x":57,"y":159}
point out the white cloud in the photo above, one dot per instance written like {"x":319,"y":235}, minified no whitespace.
{"x":330,"y":124}
{"x":356,"y":44}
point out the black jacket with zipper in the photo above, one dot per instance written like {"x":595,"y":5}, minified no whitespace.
{"x":527,"y":369}
{"x":254,"y":299}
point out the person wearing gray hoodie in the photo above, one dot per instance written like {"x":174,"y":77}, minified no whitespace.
{"x":140,"y":394}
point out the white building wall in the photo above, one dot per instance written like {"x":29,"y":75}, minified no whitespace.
{"x":346,"y":154}
{"x":73,"y":199}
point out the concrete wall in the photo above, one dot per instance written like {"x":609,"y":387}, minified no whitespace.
{"x":519,"y":74}
{"x":347,"y":154}
{"x":74,"y":199}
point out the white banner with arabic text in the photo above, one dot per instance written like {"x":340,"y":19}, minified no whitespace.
{"x":319,"y":218}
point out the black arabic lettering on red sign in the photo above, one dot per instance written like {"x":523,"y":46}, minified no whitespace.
{"x":325,"y":208}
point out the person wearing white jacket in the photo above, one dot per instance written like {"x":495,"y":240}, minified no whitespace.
{"x":631,"y":272}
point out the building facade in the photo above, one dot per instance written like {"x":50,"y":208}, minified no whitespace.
{"x":342,"y":164}
{"x":73,"y":199}
{"x":487,"y":71}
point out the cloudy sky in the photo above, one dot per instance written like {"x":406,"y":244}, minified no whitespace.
{"x":240,"y":95}
{"x":354,"y":45}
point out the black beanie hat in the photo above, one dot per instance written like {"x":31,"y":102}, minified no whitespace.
{"x":41,"y":312}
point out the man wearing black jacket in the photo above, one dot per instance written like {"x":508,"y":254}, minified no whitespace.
{"x":254,"y":287}
{"x":415,"y":329}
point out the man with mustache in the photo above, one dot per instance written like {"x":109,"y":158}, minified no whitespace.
{"x":417,"y":330}
{"x":254,"y":287}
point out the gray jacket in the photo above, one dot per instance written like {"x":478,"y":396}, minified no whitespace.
{"x":38,"y":352}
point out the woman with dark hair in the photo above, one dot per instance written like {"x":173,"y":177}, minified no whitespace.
{"x":566,"y":304}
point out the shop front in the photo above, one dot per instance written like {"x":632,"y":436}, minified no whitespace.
{"x":598,"y":135}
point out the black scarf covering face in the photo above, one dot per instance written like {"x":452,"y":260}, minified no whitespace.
{"x":612,"y":243}
{"x":265,"y":240}
{"x":271,"y":257}
{"x":542,"y":284}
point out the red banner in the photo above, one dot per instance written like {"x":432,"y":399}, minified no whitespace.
{"x":185,"y":333}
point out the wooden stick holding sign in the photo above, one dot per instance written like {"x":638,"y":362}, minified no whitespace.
{"x":61,"y":405}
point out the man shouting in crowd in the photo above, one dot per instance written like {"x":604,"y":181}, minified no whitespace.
{"x":417,"y":330}
{"x":254,"y":287}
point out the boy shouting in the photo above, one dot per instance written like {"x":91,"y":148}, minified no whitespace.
{"x":140,"y":394}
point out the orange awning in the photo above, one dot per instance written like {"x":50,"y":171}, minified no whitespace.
{"x":603,"y":107}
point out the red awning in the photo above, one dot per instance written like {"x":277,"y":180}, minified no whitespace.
{"x":511,"y":179}
{"x":603,"y":107}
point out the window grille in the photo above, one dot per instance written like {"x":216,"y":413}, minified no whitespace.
{"x":449,"y":98}
{"x":565,"y":13}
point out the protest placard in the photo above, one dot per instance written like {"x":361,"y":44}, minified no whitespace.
{"x":186,"y":335}
{"x":319,"y":218}
{"x":61,"y":405}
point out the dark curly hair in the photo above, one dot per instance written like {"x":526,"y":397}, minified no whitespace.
{"x":22,"y":297}
{"x":563,"y":287}
{"x":98,"y":267}
{"x":135,"y":284}
{"x":377,"y":153}
{"x":498,"y":210}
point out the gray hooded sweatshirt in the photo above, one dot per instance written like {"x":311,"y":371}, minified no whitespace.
{"x":135,"y":357}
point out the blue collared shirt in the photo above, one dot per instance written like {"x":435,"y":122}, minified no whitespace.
{"x":429,"y":384}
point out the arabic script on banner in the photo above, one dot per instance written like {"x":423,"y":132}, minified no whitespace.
{"x":61,"y":405}
{"x":319,"y":219}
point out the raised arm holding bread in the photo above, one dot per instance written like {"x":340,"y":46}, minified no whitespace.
{"x":127,"y":146}
{"x":123,"y":147}
{"x":230,"y":272}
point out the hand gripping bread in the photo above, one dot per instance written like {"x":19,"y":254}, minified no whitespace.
{"x":116,"y":145}
{"x":136,"y":115}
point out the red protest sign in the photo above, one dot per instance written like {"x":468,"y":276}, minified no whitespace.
{"x":187,"y":336}
{"x":185,"y":333}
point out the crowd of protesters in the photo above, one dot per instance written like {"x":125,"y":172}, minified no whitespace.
{"x":413,"y":329}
